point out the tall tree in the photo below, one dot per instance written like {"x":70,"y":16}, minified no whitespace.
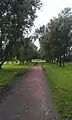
{"x":16,"y":18}
{"x":56,"y":36}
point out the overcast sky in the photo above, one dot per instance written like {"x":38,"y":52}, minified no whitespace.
{"x":50,"y":9}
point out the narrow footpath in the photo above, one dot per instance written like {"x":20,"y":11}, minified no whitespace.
{"x":29,"y":99}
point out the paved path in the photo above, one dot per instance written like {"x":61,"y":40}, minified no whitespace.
{"x":29,"y":99}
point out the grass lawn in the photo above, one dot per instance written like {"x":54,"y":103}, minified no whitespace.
{"x":60,"y":81}
{"x":8,"y":72}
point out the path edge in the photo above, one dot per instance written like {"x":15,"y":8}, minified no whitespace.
{"x":8,"y":86}
{"x":46,"y":80}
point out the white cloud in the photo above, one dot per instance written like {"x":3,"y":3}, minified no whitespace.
{"x":51,"y":8}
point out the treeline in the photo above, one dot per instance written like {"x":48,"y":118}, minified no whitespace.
{"x":56,"y":38}
{"x":23,"y":51}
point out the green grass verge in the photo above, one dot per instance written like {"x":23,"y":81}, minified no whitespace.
{"x":60,"y":81}
{"x":8,"y":71}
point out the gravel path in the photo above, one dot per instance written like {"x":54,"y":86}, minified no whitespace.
{"x":29,"y":99}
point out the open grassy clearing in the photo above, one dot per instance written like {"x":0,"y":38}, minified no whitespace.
{"x":8,"y":71}
{"x":60,"y":81}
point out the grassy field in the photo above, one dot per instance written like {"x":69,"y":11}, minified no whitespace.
{"x":60,"y":81}
{"x":8,"y":72}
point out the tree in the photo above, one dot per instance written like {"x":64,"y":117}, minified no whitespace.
{"x":24,"y":51}
{"x":56,"y":37}
{"x":16,"y":18}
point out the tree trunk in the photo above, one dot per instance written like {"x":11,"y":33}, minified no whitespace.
{"x":57,"y":60}
{"x":52,"y":61}
{"x":64,"y":61}
{"x":20,"y":62}
{"x":69,"y":58}
{"x":23,"y":62}
{"x":60,"y":61}
{"x":30,"y":60}
{"x":2,"y":63}
{"x":6,"y":51}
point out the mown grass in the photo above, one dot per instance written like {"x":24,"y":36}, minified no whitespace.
{"x":8,"y":71}
{"x":60,"y":81}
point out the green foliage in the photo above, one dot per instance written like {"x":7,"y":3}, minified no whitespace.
{"x":24,"y":51}
{"x":16,"y":19}
{"x":56,"y":36}
{"x":60,"y":81}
